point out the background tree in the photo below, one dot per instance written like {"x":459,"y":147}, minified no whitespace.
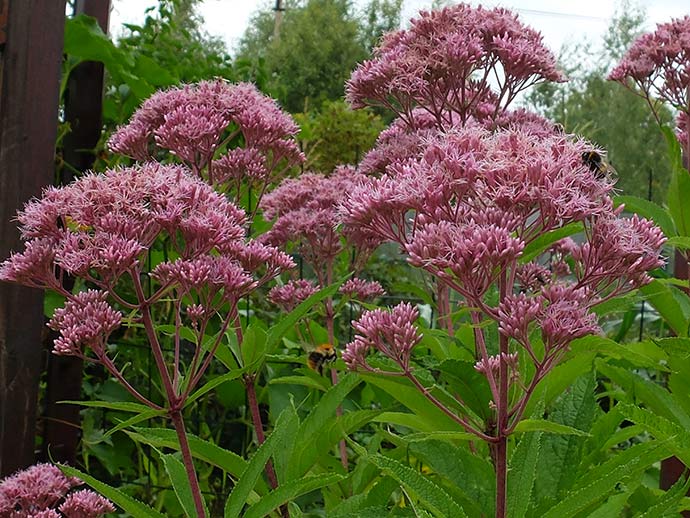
{"x":319,"y":44}
{"x":337,"y":135}
{"x":606,"y":114}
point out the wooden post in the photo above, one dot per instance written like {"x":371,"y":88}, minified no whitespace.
{"x":83,"y":111}
{"x":30,"y":73}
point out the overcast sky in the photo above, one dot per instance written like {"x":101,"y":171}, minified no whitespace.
{"x":560,"y":21}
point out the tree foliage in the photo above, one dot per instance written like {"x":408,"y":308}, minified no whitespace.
{"x":318,"y":44}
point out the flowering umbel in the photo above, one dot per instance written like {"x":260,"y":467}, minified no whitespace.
{"x":202,"y":124}
{"x":657,"y":67}
{"x":42,"y":490}
{"x":443,"y":63}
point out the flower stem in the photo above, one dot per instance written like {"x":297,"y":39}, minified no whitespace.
{"x":178,"y":423}
{"x":258,"y":426}
{"x":501,"y":446}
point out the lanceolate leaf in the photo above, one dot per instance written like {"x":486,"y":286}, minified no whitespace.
{"x":233,"y":506}
{"x":289,"y":491}
{"x":522,"y":471}
{"x":201,"y":449}
{"x":541,"y":425}
{"x":183,"y":491}
{"x":679,"y":188}
{"x":313,"y":424}
{"x":668,"y":503}
{"x":432,"y":496}
{"x":597,"y":483}
{"x":125,"y":502}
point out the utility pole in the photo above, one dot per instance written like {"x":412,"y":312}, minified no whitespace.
{"x":279,"y":10}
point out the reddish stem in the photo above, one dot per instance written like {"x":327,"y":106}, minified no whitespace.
{"x":501,"y":446}
{"x":258,"y":426}
{"x":178,"y":423}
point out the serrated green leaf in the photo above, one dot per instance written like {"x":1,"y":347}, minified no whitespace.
{"x":233,"y":506}
{"x":472,"y":475}
{"x":289,"y":491}
{"x":134,"y":420}
{"x":433,"y":497}
{"x":470,"y":385}
{"x":305,"y":381}
{"x":313,"y":424}
{"x":612,"y":507}
{"x":201,"y":449}
{"x":541,"y":425}
{"x":561,"y":455}
{"x":668,"y":503}
{"x":598,"y":482}
{"x":183,"y":491}
{"x":522,"y":472}
{"x":125,"y":502}
{"x":404,"y":392}
{"x":678,"y":437}
{"x":671,"y":304}
{"x":654,"y":396}
{"x":211,"y":384}
{"x":679,"y":187}
{"x":121,"y":406}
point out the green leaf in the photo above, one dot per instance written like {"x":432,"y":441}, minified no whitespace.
{"x":305,"y":381}
{"x":669,"y":502}
{"x":681,"y":242}
{"x":233,"y":506}
{"x":544,"y":241}
{"x":541,"y":425}
{"x":432,"y":496}
{"x":679,"y":188}
{"x":678,"y":438}
{"x":210,"y":385}
{"x":654,"y":396}
{"x":612,"y":507}
{"x":125,"y":502}
{"x":201,"y":449}
{"x":472,"y":387}
{"x":561,"y":455}
{"x":313,"y":424}
{"x":598,"y":482}
{"x":122,"y":406}
{"x":276,"y":332}
{"x":471,"y":474}
{"x":404,"y":392}
{"x":649,"y":210}
{"x":134,"y":420}
{"x":670,"y":302}
{"x":288,"y":491}
{"x":183,"y":490}
{"x":522,"y":471}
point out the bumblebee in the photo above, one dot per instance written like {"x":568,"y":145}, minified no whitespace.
{"x":598,"y":165}
{"x":319,"y":357}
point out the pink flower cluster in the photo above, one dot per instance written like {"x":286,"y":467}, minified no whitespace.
{"x":197,"y":122}
{"x":443,"y":63}
{"x":292,"y":293}
{"x":391,"y":332}
{"x":306,"y":215}
{"x":657,"y":67}
{"x":41,"y":491}
{"x":100,"y":228}
{"x":466,"y":208}
{"x":361,"y":289}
